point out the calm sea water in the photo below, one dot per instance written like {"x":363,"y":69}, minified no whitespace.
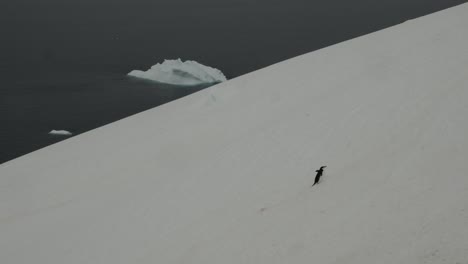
{"x":63,"y":62}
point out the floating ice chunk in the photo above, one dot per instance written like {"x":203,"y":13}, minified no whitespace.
{"x":60,"y":133}
{"x":178,"y":72}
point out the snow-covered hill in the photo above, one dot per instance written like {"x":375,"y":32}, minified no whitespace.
{"x":224,"y":175}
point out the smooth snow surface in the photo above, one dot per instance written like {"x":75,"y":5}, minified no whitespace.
{"x":181,"y":73}
{"x":60,"y":132}
{"x":223,"y":176}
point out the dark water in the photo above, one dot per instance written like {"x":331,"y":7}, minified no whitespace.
{"x":63,"y":62}
{"x":77,"y":103}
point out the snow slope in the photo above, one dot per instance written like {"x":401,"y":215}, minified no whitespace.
{"x":178,"y":72}
{"x":224,"y":175}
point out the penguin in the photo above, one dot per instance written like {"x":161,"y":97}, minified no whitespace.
{"x":319,"y":174}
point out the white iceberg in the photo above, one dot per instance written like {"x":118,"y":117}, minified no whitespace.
{"x":180,"y":72}
{"x":60,"y":133}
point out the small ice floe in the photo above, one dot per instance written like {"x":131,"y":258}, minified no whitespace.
{"x":60,"y":133}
